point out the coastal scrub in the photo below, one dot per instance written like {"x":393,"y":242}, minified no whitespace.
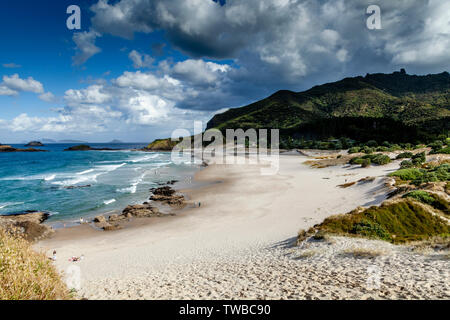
{"x":397,"y":222}
{"x":26,"y":274}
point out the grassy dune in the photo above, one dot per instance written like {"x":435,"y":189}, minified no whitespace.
{"x":25,"y":274}
{"x":397,"y":222}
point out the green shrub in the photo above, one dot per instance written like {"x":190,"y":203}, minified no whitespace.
{"x":430,"y":198}
{"x":382,"y":149}
{"x":395,"y":147}
{"x":372,"y":143}
{"x":381,"y":159}
{"x":367,"y":150}
{"x":365,"y":163}
{"x":419,"y":176}
{"x":419,"y":157}
{"x":356,"y":160}
{"x":436,"y":145}
{"x":406,"y":164}
{"x":421,"y":196}
{"x":405,"y":155}
{"x":354,"y":150}
{"x":407,"y":174}
{"x":445,"y":150}
{"x":370,"y":229}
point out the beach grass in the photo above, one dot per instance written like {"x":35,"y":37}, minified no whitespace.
{"x":26,"y":274}
{"x":431,"y":199}
{"x":398,"y":222}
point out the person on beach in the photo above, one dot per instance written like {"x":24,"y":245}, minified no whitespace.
{"x":54,"y":255}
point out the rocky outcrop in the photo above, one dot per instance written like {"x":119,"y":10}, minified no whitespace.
{"x":34,"y":144}
{"x":141,"y":211}
{"x":163,"y":191}
{"x":164,"y":195}
{"x":112,"y":222}
{"x":5,"y":148}
{"x":27,"y":225}
{"x":167,"y":195}
{"x":171,"y":182}
{"x":161,"y":145}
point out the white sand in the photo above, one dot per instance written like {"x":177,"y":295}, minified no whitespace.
{"x":231,"y":247}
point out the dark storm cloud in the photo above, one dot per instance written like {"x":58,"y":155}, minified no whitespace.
{"x":287,"y":44}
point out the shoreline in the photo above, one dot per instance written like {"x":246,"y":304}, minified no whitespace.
{"x":243,"y":217}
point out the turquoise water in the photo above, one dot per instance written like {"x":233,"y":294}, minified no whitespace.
{"x":40,"y":181}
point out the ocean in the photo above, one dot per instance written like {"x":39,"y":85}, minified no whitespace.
{"x":75,"y":184}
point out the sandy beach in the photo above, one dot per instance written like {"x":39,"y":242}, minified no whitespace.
{"x":239,"y":243}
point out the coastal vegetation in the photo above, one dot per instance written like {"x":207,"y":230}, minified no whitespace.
{"x":418,"y":176}
{"x":379,"y":159}
{"x":26,"y":274}
{"x":431,"y":199}
{"x":396,"y":222}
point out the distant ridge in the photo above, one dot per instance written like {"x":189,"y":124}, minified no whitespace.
{"x":72,"y":141}
{"x":394,"y":107}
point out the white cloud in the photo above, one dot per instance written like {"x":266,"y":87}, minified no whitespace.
{"x":85,"y":46}
{"x":147,"y":109}
{"x":93,"y":94}
{"x":140,"y":60}
{"x":15,"y":83}
{"x":47,"y":97}
{"x":5,"y":91}
{"x":145,"y":81}
{"x":199,"y":71}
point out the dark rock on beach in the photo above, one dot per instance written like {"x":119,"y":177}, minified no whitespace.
{"x":171,"y":182}
{"x":167,"y":195}
{"x":141,"y":211}
{"x":133,"y":211}
{"x":163,"y":191}
{"x":27,"y":225}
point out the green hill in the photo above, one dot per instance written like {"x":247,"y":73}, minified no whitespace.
{"x":396,"y":107}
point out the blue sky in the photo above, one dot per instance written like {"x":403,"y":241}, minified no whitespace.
{"x":138,"y":69}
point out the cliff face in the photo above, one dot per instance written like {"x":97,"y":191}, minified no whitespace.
{"x":396,"y":107}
